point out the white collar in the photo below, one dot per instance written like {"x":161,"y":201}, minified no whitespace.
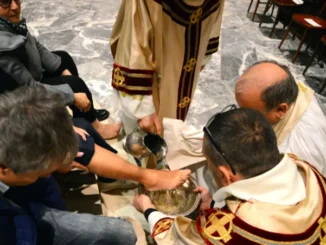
{"x":281,"y":185}
{"x":3,"y":187}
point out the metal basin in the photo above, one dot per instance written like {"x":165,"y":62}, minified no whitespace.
{"x":180,"y":201}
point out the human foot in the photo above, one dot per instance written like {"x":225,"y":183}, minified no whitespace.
{"x":165,"y":179}
{"x":107,"y":131}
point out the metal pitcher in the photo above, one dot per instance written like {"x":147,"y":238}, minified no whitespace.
{"x":141,"y":144}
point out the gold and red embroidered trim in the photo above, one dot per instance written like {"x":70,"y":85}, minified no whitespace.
{"x":212,"y":46}
{"x":132,"y":81}
{"x":162,"y":226}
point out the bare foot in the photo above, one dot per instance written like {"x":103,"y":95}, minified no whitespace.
{"x":164,"y":179}
{"x":107,"y":131}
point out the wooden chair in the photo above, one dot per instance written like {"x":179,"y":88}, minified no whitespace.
{"x":280,"y":4}
{"x":256,"y":8}
{"x":299,"y":19}
{"x":320,"y":48}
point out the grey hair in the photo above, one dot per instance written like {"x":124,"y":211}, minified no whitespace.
{"x":283,"y":91}
{"x":36,"y":130}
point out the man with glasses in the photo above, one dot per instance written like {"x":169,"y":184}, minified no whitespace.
{"x":265,"y":197}
{"x":291,"y":107}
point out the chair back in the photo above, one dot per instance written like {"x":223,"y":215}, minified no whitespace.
{"x":323,"y":10}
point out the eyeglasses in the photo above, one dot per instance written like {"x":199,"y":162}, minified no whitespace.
{"x":208,"y":133}
{"x":7,"y":3}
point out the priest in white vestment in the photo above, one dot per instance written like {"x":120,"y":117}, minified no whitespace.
{"x":291,"y":108}
{"x":250,"y":208}
{"x":159,"y":48}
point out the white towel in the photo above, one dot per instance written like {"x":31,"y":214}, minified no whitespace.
{"x":184,"y":144}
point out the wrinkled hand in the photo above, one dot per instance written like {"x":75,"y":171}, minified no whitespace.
{"x":81,"y":132}
{"x":151,"y":124}
{"x":82,"y":102}
{"x":142,"y":203}
{"x":206,"y":198}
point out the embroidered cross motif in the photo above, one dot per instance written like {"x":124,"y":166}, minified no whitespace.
{"x":184,"y":102}
{"x":162,"y":226}
{"x":190,"y":65}
{"x":218,"y":225}
{"x":322,"y":227}
{"x":118,"y":77}
{"x":196,"y":16}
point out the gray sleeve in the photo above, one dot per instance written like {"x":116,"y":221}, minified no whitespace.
{"x":50,"y":61}
{"x":21,"y":75}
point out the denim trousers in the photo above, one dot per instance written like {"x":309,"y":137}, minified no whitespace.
{"x":66,"y":228}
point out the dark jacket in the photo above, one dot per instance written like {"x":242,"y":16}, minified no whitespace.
{"x":20,"y":208}
{"x":25,"y":60}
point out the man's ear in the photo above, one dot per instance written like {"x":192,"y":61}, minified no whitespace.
{"x":227,"y":177}
{"x":4,"y":171}
{"x":281,"y":110}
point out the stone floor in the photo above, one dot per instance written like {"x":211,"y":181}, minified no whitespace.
{"x":83,"y":29}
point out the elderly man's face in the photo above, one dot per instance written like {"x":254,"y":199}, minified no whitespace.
{"x":11,"y":178}
{"x":251,"y":85}
{"x":10,"y":10}
{"x":21,"y":179}
{"x":251,"y":99}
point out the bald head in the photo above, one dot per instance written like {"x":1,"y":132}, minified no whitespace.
{"x":265,"y":86}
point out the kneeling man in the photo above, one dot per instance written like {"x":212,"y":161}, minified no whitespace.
{"x":292,"y":109}
{"x":265,"y":197}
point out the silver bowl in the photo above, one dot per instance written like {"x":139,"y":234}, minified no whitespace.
{"x":180,"y":201}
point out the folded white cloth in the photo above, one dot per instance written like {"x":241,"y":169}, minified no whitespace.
{"x":282,"y":185}
{"x":184,"y":144}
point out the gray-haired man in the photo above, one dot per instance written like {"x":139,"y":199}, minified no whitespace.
{"x":37,"y":138}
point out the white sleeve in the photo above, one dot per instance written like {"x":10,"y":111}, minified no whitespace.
{"x":155,"y":217}
{"x":207,"y":59}
{"x":136,"y":106}
{"x":307,"y":139}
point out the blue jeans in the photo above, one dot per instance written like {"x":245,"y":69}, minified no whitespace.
{"x":57,"y":227}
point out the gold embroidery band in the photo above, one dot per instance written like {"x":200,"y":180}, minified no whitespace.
{"x":212,"y":46}
{"x":132,"y":82}
{"x":162,"y":226}
{"x":218,"y":227}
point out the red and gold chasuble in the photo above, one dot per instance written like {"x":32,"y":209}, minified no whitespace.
{"x":302,"y":224}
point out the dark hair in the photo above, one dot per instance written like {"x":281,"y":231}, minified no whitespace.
{"x":284,"y":91}
{"x":36,"y":130}
{"x":247,"y":140}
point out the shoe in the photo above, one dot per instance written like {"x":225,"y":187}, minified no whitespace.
{"x":119,"y":184}
{"x":102,"y":114}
